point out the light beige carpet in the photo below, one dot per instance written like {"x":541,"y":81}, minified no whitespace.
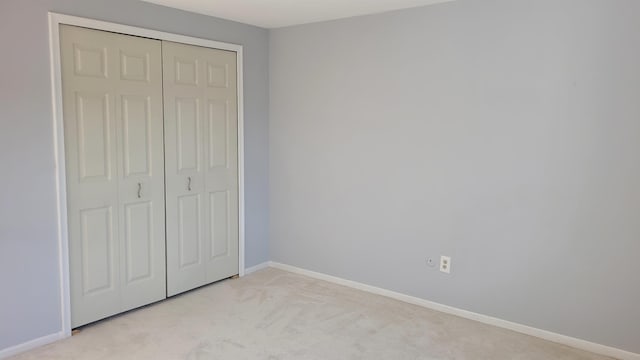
{"x":274,"y":314}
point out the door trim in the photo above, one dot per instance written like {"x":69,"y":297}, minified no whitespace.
{"x":55,"y":20}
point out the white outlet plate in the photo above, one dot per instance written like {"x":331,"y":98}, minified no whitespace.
{"x":445,"y":264}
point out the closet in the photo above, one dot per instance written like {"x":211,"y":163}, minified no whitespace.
{"x":150,"y":134}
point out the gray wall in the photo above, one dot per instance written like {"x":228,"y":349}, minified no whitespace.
{"x":29,"y":299}
{"x":504,"y":133}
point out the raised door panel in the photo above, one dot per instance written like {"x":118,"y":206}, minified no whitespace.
{"x":89,"y":60}
{"x":94,"y":152}
{"x":94,"y":265}
{"x":136,"y":131}
{"x":136,"y":65}
{"x":138,"y":242}
{"x":218,"y":121}
{"x":99,"y":256}
{"x":189,"y":235}
{"x":188,"y":134}
{"x":219,"y":222}
{"x":186,"y":70}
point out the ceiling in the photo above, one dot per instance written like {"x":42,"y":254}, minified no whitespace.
{"x":280,"y":13}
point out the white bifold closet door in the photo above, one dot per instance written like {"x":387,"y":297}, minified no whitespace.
{"x":201,"y":165}
{"x":113,"y":129}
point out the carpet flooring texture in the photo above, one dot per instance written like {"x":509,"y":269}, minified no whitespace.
{"x":277,"y":315}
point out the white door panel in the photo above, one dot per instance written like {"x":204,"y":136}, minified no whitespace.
{"x":92,"y":181}
{"x":201,"y":165}
{"x":94,"y":136}
{"x":189,"y":235}
{"x":183,"y":168}
{"x":136,"y":131}
{"x":141,"y":170}
{"x":112,"y":104}
{"x":189,"y":137}
{"x":99,"y":258}
{"x":221,"y":175}
{"x":138,"y":220}
{"x":218,"y":117}
{"x":219,"y":213}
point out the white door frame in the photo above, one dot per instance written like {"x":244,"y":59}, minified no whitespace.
{"x":58,"y":135}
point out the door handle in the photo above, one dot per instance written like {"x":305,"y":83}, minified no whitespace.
{"x":139,"y":190}
{"x":189,"y":183}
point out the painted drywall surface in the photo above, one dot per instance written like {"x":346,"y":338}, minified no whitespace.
{"x":503,"y":133}
{"x":30,"y":296}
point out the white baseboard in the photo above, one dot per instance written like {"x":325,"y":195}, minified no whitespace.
{"x":524,"y":329}
{"x":255,"y":268}
{"x":29,"y":345}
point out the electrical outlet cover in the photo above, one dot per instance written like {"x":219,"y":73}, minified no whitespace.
{"x":445,"y":264}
